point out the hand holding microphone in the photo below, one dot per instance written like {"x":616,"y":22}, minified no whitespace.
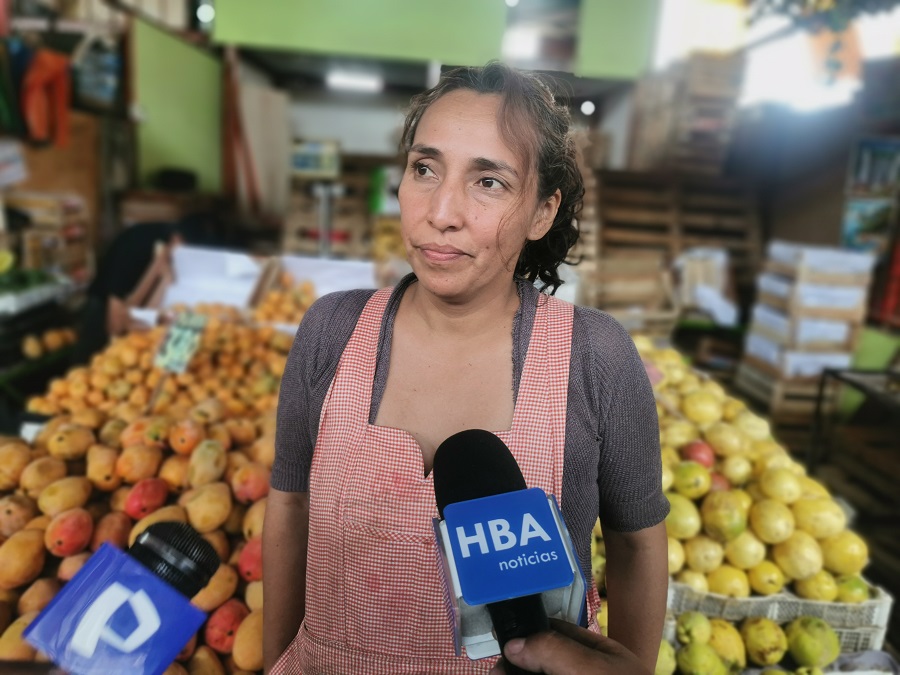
{"x":507,"y":553}
{"x":568,"y":649}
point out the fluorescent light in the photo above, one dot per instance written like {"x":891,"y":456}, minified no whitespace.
{"x":206,"y":13}
{"x":588,"y":107}
{"x":512,"y":3}
{"x":342,"y":79}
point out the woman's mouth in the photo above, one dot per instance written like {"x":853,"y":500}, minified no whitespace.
{"x":435,"y":253}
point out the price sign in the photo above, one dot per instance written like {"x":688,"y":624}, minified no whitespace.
{"x":181,"y":342}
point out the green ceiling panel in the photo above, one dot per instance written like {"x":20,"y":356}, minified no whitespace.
{"x":457,"y":32}
{"x":616,"y":38}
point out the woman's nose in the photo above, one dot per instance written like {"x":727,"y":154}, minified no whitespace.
{"x":445,"y":209}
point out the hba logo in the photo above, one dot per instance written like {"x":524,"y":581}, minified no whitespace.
{"x":502,"y":536}
{"x":95,"y":628}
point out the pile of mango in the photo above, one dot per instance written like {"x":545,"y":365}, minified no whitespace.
{"x":90,"y":477}
{"x":54,"y":339}
{"x":287,"y":302}
{"x":745,"y":518}
{"x":239,"y":365}
{"x":128,"y":445}
{"x":704,"y":646}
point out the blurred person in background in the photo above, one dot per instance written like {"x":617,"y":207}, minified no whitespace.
{"x":376,"y":381}
{"x":135,"y":262}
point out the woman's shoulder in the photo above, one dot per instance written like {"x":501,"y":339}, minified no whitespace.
{"x":338,"y":306}
{"x":596,"y":333}
{"x":328,"y":324}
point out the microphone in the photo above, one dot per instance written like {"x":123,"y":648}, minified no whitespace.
{"x":507,"y":559}
{"x":129,"y":611}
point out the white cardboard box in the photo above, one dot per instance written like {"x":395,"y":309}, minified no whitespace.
{"x":792,"y":363}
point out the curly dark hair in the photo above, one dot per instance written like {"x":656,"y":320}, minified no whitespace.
{"x":534,"y":123}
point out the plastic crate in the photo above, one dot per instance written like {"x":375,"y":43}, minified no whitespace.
{"x":860,"y":626}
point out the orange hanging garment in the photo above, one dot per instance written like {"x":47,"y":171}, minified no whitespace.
{"x":46,"y":91}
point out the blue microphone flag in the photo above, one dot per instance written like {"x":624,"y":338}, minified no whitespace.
{"x":506,"y":546}
{"x":115,"y":616}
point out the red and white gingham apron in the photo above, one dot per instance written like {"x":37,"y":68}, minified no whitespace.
{"x":374,"y":602}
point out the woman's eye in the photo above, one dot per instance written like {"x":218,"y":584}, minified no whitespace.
{"x":490,"y":183}
{"x":421,"y":169}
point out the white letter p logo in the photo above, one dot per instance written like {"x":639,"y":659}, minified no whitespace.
{"x":94,"y":625}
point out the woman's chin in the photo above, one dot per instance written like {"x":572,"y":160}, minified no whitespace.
{"x":442,"y":285}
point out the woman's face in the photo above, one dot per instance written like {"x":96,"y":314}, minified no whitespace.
{"x":466,"y":210}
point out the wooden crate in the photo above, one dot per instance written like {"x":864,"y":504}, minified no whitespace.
{"x":685,"y":116}
{"x":636,"y":291}
{"x":669,"y":214}
{"x":787,"y":402}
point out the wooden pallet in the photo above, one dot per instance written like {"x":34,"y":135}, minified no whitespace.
{"x":670,"y":213}
{"x":788,"y":402}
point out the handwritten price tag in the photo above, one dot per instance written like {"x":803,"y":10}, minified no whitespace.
{"x":181,"y":343}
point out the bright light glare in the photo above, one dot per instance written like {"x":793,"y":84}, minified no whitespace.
{"x":512,"y":3}
{"x":206,"y":13}
{"x":340,"y":79}
{"x":698,"y":25}
{"x":879,"y":34}
{"x":783,"y":72}
{"x":522,"y":43}
{"x":588,"y":107}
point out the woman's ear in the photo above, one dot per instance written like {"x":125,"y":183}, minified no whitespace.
{"x":544,"y":216}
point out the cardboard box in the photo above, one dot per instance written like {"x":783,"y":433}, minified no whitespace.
{"x":792,"y":364}
{"x":838,"y":303}
{"x":805,"y":334}
{"x":820,"y":264}
{"x":201,"y":275}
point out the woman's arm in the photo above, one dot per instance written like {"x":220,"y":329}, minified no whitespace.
{"x":285,"y":540}
{"x":637,"y":580}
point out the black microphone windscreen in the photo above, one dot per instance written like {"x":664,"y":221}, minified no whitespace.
{"x":473,"y":464}
{"x":177,"y":554}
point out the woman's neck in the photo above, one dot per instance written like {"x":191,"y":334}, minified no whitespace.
{"x":483,"y":314}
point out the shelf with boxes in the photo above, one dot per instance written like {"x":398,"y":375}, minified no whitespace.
{"x":57,"y":239}
{"x":811,"y":303}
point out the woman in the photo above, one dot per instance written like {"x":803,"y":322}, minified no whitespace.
{"x":375,"y":382}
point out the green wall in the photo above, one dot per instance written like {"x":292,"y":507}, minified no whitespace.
{"x":616,"y":38}
{"x":178,"y":88}
{"x":457,"y":32}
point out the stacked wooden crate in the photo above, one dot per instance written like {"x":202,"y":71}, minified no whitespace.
{"x":811,"y":303}
{"x":669,"y":214}
{"x":685,"y":115}
{"x":636,"y":290}
{"x":591,"y":152}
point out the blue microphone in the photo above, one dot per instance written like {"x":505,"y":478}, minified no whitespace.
{"x":129,"y":612}
{"x":507,"y":560}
